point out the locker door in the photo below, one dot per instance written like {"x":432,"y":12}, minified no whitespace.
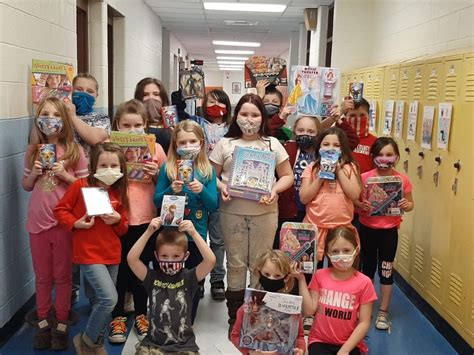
{"x":368,"y":84}
{"x":377,"y":92}
{"x":390,"y":89}
{"x":344,"y":85}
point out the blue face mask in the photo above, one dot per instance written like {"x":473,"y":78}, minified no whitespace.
{"x":83,"y":102}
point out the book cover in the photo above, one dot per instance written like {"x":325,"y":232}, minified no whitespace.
{"x":50,"y":79}
{"x":313,"y":90}
{"x":47,"y":155}
{"x":169,"y":114}
{"x":185,"y":170}
{"x":412,"y":120}
{"x":298,"y":241}
{"x":172,"y":210}
{"x":372,"y":115}
{"x":252,"y":173}
{"x":399,"y":111}
{"x":191,"y":83}
{"x":259,"y":67}
{"x":97,"y":201}
{"x":356,"y":91}
{"x":388,"y":117}
{"x":138,"y":149}
{"x":444,"y":124}
{"x":270,"y":321}
{"x":427,"y":126}
{"x":384,"y":193}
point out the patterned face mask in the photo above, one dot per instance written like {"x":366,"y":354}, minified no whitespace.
{"x":171,"y":267}
{"x":342,"y":261}
{"x":49,"y":125}
{"x":385,"y":163}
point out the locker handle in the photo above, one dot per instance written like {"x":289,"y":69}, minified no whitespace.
{"x":407,"y":149}
{"x":457,"y":165}
{"x":438,"y":160}
{"x":421,"y":154}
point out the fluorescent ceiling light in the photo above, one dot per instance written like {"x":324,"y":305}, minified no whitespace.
{"x":229,"y":62}
{"x":224,"y":6}
{"x":236,"y":43}
{"x":231,"y":69}
{"x":230,"y":66}
{"x":230,"y":51}
{"x":232,"y":58}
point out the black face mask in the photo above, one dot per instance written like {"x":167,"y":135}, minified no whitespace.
{"x":271,"y":285}
{"x":271,"y":110}
{"x":305,"y":141}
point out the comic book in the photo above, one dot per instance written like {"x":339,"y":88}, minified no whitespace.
{"x":138,"y":149}
{"x":47,"y":155}
{"x":356,"y":91}
{"x":169,"y":114}
{"x":313,"y":90}
{"x":50,"y":79}
{"x":384,"y":193}
{"x":185,"y":169}
{"x":260,"y":67}
{"x":298,"y":241}
{"x":172,"y":210}
{"x":191,"y":83}
{"x":270,"y":322}
{"x":252,"y":173}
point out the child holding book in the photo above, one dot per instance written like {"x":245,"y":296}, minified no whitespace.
{"x":172,"y":288}
{"x":274,"y":272}
{"x":131,"y":117}
{"x":95,"y":244}
{"x":50,"y":244}
{"x":187,"y":142}
{"x":339,"y":327}
{"x":247,"y":226}
{"x":379,"y":234}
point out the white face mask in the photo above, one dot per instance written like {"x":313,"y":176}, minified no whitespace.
{"x":342,"y":261}
{"x":248,"y":128}
{"x":108,"y":175}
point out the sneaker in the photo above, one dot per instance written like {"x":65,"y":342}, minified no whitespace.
{"x":128,"y":306}
{"x":141,"y":326}
{"x":218,"y":291}
{"x":307,"y":324}
{"x":59,"y":336}
{"x":42,"y":338}
{"x":118,"y":330}
{"x":382,"y":322}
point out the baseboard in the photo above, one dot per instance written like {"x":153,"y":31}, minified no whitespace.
{"x":11,"y":327}
{"x":450,"y":334}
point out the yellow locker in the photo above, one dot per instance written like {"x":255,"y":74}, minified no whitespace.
{"x":345,"y":79}
{"x":378,"y":75}
{"x":390,"y":88}
{"x":368,"y":84}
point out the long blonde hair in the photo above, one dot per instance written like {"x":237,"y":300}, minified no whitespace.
{"x":281,"y":261}
{"x":66,"y":136}
{"x":201,"y":163}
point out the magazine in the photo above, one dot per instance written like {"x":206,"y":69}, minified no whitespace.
{"x":97,"y":201}
{"x":356,"y":91}
{"x":50,"y":79}
{"x":427,"y":126}
{"x":169,"y":114}
{"x":185,"y":169}
{"x":412,"y":120}
{"x":270,"y":322}
{"x":372,"y":115}
{"x":399,"y":113}
{"x":138,"y":149}
{"x":388,"y":117}
{"x":252,"y":173}
{"x":191,"y":83}
{"x":297,"y":240}
{"x":444,"y":124}
{"x":47,"y":155}
{"x":272,"y":69}
{"x":313,"y":90}
{"x":384,"y":193}
{"x":172,"y":210}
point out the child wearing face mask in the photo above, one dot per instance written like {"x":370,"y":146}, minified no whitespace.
{"x":379,"y":234}
{"x":131,"y":116}
{"x":50,"y":244}
{"x":339,"y":326}
{"x":187,"y":142}
{"x":95,"y":244}
{"x":276,"y":113}
{"x":275,"y":274}
{"x":171,"y":287}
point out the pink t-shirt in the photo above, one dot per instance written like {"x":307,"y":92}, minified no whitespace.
{"x":338,"y":307}
{"x":383,"y":222}
{"x":142,"y":209}
{"x":331,"y":207}
{"x":48,"y":190}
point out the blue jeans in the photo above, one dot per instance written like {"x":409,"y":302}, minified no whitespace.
{"x":102,"y":279}
{"x":216,"y":243}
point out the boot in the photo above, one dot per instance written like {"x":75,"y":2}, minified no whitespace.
{"x":42,"y":338}
{"x":234,"y":299}
{"x":85,"y":346}
{"x":59,"y":336}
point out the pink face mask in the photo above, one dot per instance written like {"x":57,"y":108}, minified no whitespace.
{"x":385,"y":163}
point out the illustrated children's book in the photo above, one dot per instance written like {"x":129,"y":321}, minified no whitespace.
{"x":444,"y":124}
{"x":47,"y":155}
{"x":185,"y":169}
{"x":372,"y":115}
{"x":260,"y":67}
{"x":384,"y":193}
{"x":97,"y":201}
{"x":270,"y":321}
{"x":297,"y":240}
{"x":427,"y":127}
{"x":412,"y":120}
{"x":172,"y":210}
{"x":138,"y":149}
{"x":50,"y":79}
{"x":388,"y":117}
{"x":356,"y":91}
{"x":252,"y":173}
{"x":169,"y":114}
{"x":399,"y":111}
{"x":191,"y":83}
{"x":313,"y":90}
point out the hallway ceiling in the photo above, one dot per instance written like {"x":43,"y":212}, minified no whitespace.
{"x":196,"y":28}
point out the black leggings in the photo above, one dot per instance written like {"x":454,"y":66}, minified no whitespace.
{"x":194,"y":260}
{"x":378,"y":248}
{"x":328,"y":349}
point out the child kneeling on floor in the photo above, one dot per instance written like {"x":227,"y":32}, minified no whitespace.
{"x":171,"y":288}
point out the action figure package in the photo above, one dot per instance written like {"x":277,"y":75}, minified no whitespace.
{"x":169,"y":114}
{"x":270,"y":322}
{"x":185,"y":170}
{"x":383,"y":194}
{"x":356,"y":91}
{"x":297,"y":240}
{"x":172,"y":210}
{"x":47,"y":155}
{"x":329,"y":159}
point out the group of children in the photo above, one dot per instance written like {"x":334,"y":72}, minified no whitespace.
{"x":114,"y":251}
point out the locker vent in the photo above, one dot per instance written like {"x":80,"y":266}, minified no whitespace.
{"x":419,"y":258}
{"x":392,"y":91}
{"x":405,"y":247}
{"x":368,"y":86}
{"x":435,"y":274}
{"x":404,"y":87}
{"x":377,"y":87}
{"x":455,"y":289}
{"x":451,"y":89}
{"x":433,"y":86}
{"x":417,"y":85}
{"x":470,"y":87}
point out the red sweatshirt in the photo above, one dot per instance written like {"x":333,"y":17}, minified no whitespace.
{"x":100,"y":244}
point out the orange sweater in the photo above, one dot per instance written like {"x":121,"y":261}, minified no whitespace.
{"x":100,"y":244}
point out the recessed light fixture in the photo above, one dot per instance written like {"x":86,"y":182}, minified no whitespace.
{"x":232,"y":58}
{"x":225,"y":6}
{"x":230,"y":51}
{"x":230,"y":62}
{"x":236,"y":43}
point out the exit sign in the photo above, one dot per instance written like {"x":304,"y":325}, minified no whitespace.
{"x":197,"y":62}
